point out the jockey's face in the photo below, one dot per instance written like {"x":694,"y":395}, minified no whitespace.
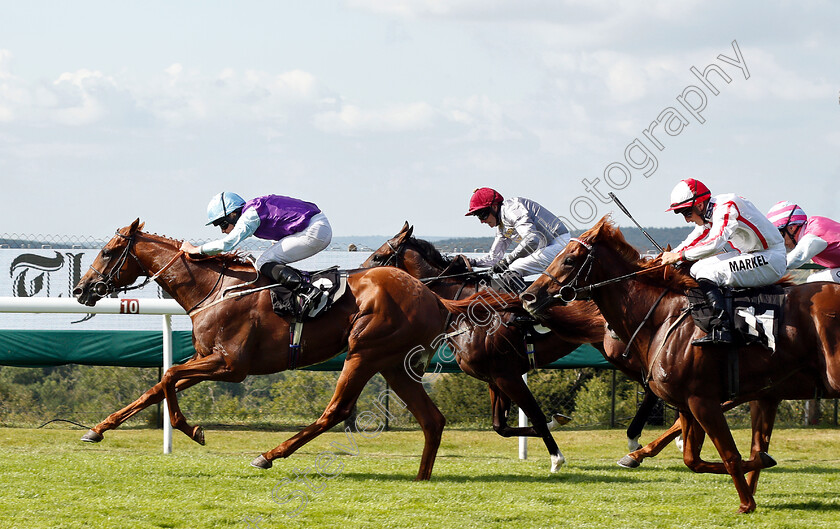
{"x":488,"y":216}
{"x":694,"y":214}
{"x":789,"y":234}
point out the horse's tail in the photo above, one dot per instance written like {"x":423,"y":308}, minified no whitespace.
{"x":486,"y":300}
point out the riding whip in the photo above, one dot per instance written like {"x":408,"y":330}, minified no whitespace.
{"x":620,"y":205}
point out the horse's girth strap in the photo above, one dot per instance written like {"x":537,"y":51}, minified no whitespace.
{"x":662,"y":344}
{"x":295,"y":332}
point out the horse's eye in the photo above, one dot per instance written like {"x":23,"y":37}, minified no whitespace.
{"x":569,"y":261}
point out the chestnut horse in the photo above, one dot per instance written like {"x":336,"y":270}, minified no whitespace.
{"x":384,"y":314}
{"x":627,"y":289}
{"x":500,"y":358}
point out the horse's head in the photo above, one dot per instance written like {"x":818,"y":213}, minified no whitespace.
{"x":115,"y":267}
{"x":561,"y":281}
{"x":389,"y":254}
{"x":568,"y":276}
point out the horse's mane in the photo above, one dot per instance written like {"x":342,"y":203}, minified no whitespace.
{"x":433,"y":255}
{"x":226,"y":259}
{"x":607,"y":233}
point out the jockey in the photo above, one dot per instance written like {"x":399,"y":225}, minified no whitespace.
{"x":300,"y":229}
{"x":808,"y":238}
{"x":755,"y":251}
{"x":540,"y":235}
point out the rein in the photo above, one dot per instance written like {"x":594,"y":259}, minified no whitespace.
{"x":106,"y":285}
{"x":569,"y":293}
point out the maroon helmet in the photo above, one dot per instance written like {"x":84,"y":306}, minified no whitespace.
{"x":483,"y":198}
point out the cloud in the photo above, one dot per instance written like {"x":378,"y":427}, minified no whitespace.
{"x":352,"y":119}
{"x":552,"y":11}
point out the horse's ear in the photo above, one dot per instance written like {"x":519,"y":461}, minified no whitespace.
{"x":135,"y":226}
{"x":405,"y":233}
{"x":668,"y":247}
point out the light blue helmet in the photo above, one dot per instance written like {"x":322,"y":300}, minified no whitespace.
{"x":222,"y":205}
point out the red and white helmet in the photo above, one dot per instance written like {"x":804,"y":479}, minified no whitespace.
{"x":483,"y":198}
{"x":785,"y":213}
{"x":687,"y":193}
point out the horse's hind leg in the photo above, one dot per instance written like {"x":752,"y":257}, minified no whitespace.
{"x":763,"y":417}
{"x":354,"y":375}
{"x":515,"y":388}
{"x":500,"y":406}
{"x":424,"y":410}
{"x":152,"y":396}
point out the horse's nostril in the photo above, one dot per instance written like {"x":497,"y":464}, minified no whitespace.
{"x":527,"y":298}
{"x":77,"y":292}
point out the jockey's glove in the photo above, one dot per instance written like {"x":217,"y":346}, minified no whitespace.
{"x":501,"y":266}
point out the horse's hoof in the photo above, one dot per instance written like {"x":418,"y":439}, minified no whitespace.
{"x":198,"y":435}
{"x":766,"y":460}
{"x":679,"y":443}
{"x":557,"y":462}
{"x":633,"y":444}
{"x":560,"y":419}
{"x":628,"y":462}
{"x":261,"y":462}
{"x":92,"y":437}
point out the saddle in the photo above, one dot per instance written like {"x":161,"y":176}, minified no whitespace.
{"x":332,"y":283}
{"x":755,"y":312}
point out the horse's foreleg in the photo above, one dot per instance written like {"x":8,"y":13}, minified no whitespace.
{"x":709,"y":416}
{"x":634,"y":430}
{"x":212,"y":367}
{"x":515,"y":388}
{"x":635,"y":458}
{"x":152,"y":396}
{"x":428,"y":415}
{"x":762,"y":417}
{"x":354,"y":375}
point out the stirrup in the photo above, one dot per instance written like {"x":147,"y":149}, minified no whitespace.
{"x":715,"y":337}
{"x":309,"y":299}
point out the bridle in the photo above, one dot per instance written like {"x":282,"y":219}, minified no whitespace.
{"x":569,"y":292}
{"x":106,"y":284}
{"x":396,"y":254}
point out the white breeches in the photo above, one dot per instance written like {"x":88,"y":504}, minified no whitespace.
{"x":830,"y":274}
{"x":742,"y":270}
{"x":300,"y":245}
{"x":538,"y":261}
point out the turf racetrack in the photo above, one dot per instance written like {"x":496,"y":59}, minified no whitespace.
{"x":52,"y":480}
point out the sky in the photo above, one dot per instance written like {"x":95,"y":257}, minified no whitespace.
{"x":385,"y":111}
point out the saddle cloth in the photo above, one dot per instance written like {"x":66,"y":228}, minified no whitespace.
{"x":756,"y":313}
{"x":333,"y":284}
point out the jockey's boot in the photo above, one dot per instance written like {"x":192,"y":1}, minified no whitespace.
{"x":296,"y":281}
{"x":721,"y":323}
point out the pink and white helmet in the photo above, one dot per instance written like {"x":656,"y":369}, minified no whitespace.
{"x":785,"y":213}
{"x":687,"y":193}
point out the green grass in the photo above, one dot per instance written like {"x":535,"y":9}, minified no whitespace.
{"x":52,"y":480}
